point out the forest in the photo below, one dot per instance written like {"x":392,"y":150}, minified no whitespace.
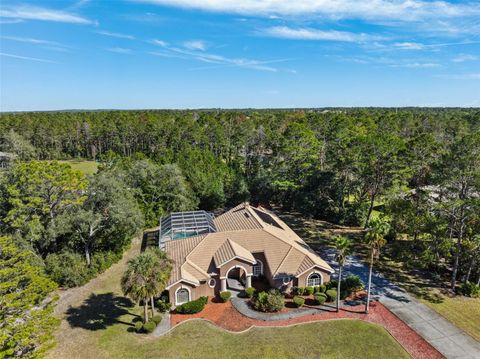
{"x":418,"y":169}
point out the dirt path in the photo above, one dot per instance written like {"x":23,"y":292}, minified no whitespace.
{"x":79,"y":340}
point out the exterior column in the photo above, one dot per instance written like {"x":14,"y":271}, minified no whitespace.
{"x":223,"y":284}
{"x":249,"y":281}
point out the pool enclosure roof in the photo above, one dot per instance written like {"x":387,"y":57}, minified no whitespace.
{"x":180,"y":225}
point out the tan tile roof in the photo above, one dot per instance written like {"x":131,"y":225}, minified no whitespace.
{"x":230,"y":250}
{"x":242,"y":231}
{"x":237,"y":219}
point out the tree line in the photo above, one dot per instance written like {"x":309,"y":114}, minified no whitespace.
{"x":419,"y":169}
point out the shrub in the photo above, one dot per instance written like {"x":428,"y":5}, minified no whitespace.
{"x":309,"y":290}
{"x":149,"y":327}
{"x":163,"y":306}
{"x":298,"y":301}
{"x":157,"y":319}
{"x":192,"y":307}
{"x":331,"y":295}
{"x":470,"y":289}
{"x":300,"y":290}
{"x":138,"y":326}
{"x":271,"y":301}
{"x":250,"y":292}
{"x":225,"y":296}
{"x":331,"y":285}
{"x":320,"y":298}
{"x":69,"y":269}
{"x":323,"y":288}
{"x":352,"y":283}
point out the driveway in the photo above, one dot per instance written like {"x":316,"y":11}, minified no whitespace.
{"x":440,"y":333}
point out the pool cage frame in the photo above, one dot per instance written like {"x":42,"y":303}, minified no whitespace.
{"x":179,"y":225}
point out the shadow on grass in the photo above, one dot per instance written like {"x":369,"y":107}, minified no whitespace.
{"x":100,"y":311}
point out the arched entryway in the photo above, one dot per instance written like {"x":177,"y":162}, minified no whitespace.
{"x":236,"y":278}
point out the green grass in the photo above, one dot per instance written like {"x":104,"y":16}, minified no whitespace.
{"x":462,"y":311}
{"x":86,"y":167}
{"x":198,"y":339}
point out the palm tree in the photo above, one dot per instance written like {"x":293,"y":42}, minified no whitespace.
{"x":161,"y":274}
{"x":342,"y":246}
{"x":375,"y":239}
{"x":145,"y":278}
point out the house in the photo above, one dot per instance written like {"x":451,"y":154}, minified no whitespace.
{"x":234,"y":251}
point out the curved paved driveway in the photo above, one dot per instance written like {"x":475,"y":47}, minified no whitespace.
{"x":440,"y":333}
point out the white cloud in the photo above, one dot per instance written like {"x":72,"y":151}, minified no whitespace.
{"x":366,"y":9}
{"x":119,"y":50}
{"x":465,"y":58}
{"x":27,"y":58}
{"x":195,"y":45}
{"x":215,"y":60}
{"x":116,"y":34}
{"x":30,"y":40}
{"x":159,"y":43}
{"x":285,"y":32}
{"x":27,"y":12}
{"x":409,"y":45}
{"x":416,"y":65}
{"x":471,"y":76}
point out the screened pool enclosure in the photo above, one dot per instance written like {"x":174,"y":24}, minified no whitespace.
{"x":180,"y":225}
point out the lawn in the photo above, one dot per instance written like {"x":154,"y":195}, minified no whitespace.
{"x":462,"y":311}
{"x":86,"y":167}
{"x":333,"y":339}
{"x":97,"y":323}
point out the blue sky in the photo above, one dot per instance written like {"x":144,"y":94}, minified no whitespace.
{"x":130,"y":54}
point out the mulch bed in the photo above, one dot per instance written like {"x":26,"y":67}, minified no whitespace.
{"x":226,"y":316}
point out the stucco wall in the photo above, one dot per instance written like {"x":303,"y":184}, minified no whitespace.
{"x":236,"y":262}
{"x":302,"y":280}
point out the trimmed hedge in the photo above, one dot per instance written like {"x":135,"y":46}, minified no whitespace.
{"x":250,"y":292}
{"x":149,"y":327}
{"x":322,"y":288}
{"x":163,"y":306}
{"x":192,"y":307}
{"x":331,"y":295}
{"x":225,"y":296}
{"x":320,"y":298}
{"x":309,"y":290}
{"x":138,"y":326}
{"x":298,"y":301}
{"x":300,"y":290}
{"x":157,"y":319}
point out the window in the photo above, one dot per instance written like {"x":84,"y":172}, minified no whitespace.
{"x":314,"y":280}
{"x":182,"y":296}
{"x":212,"y":282}
{"x":258,"y":268}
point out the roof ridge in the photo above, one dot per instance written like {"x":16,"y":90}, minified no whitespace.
{"x":283,"y":260}
{"x":255,"y":216}
{"x":300,"y":248}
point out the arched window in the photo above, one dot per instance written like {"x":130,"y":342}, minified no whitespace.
{"x":314,"y":279}
{"x":182,"y":296}
{"x":258,"y":268}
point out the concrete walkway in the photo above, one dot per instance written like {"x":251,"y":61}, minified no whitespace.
{"x":440,"y":333}
{"x":164,"y":326}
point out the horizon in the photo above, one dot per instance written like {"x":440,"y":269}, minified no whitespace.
{"x":175,"y":54}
